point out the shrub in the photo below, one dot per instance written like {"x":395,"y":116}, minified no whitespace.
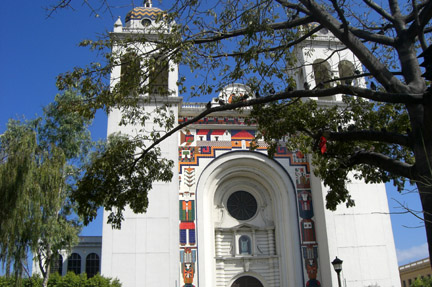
{"x":69,"y":280}
{"x":424,"y":282}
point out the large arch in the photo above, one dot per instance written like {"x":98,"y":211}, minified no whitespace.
{"x":258,"y":277}
{"x":246,"y":281}
{"x":253,"y":171}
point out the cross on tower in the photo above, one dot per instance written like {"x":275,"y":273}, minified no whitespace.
{"x":148,"y":3}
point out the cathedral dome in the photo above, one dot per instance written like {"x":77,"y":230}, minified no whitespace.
{"x":141,"y":13}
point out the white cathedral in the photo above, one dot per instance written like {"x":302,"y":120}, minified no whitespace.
{"x":232,"y":217}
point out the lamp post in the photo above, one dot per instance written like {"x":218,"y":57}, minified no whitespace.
{"x":337,"y":265}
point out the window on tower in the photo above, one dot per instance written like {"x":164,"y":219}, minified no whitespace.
{"x":158,"y":75}
{"x":322,"y":74}
{"x":146,"y":22}
{"x":346,"y":70}
{"x":130,"y":74}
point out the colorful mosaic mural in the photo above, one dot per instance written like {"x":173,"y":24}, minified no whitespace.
{"x":188,"y":259}
{"x":188,"y":251}
{"x":208,"y":142}
{"x":199,"y":144}
{"x":309,"y":244}
{"x":187,"y":222}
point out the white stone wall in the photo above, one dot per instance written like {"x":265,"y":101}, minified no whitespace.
{"x":361,"y":236}
{"x":145,"y":251}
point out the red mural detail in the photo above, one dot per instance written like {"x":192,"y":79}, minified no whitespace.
{"x":308,"y":231}
{"x":187,"y":138}
{"x":240,"y":135}
{"x":302,"y":178}
{"x":305,"y":204}
{"x":312,"y":270}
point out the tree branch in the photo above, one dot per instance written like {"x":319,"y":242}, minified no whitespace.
{"x":373,"y":37}
{"x":409,"y":210}
{"x":411,"y":17}
{"x":383,"y":162}
{"x":293,"y":6}
{"x":341,"y":15}
{"x":423,"y":19}
{"x":62,"y":4}
{"x":379,"y":10}
{"x":282,"y":47}
{"x":276,"y":26}
{"x":370,"y":135}
{"x":419,"y":29}
{"x":397,"y":16}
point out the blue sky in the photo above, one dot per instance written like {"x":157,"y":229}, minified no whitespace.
{"x":34,"y":49}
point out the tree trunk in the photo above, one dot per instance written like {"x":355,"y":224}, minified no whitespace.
{"x":47,"y":264}
{"x":421,"y":123}
{"x":424,"y":185}
{"x":426,"y":201}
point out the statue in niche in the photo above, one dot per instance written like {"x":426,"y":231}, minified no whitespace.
{"x":245,"y":245}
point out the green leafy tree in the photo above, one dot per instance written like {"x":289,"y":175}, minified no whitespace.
{"x":39,"y":165}
{"x":379,"y":134}
{"x":422,"y":282}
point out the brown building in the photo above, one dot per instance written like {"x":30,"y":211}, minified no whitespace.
{"x":411,"y":271}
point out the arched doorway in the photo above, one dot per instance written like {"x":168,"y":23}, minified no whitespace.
{"x":247,"y":281}
{"x":257,"y":237}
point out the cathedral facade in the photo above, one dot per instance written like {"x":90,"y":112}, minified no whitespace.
{"x":233,"y":217}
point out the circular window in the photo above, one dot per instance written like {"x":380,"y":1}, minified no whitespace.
{"x":146,"y":22}
{"x":242,"y":205}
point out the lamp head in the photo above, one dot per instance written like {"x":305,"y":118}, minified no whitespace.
{"x":337,"y":265}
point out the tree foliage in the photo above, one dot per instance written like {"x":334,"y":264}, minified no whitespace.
{"x":380,"y":133}
{"x":422,"y":282}
{"x":69,"y":280}
{"x":38,"y":168}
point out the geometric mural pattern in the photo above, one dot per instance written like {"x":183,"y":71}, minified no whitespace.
{"x":309,"y":246}
{"x":139,"y":13}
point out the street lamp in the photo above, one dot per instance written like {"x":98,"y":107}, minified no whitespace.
{"x":337,"y":265}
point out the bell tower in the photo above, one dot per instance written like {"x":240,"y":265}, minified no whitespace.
{"x":152,"y":70}
{"x":145,"y":251}
{"x":325,"y":62}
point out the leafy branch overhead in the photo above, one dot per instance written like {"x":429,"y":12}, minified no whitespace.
{"x":380,"y":130}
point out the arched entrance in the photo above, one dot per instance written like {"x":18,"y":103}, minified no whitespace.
{"x":247,"y":281}
{"x":247,"y":222}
